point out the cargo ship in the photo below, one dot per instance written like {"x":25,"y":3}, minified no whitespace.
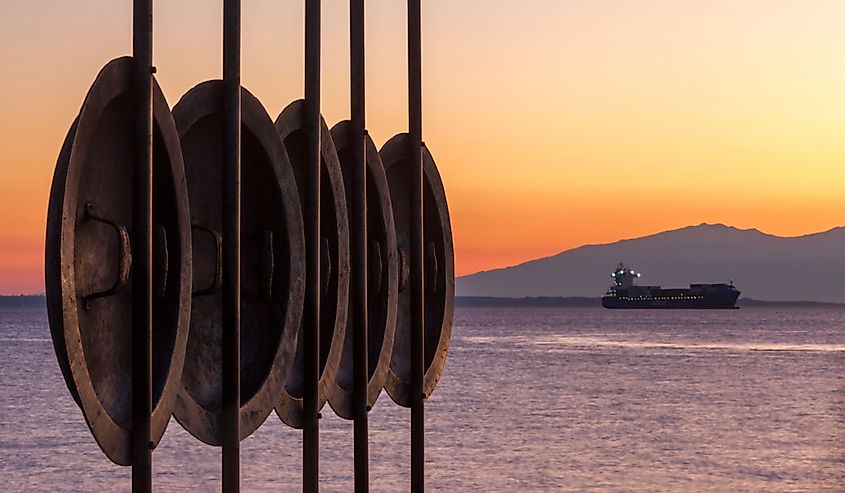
{"x":625,"y":294}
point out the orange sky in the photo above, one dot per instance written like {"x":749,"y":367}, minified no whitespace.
{"x":554,"y":123}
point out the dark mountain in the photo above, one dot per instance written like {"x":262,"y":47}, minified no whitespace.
{"x":762,"y":266}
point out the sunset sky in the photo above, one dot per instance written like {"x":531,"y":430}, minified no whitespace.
{"x":554,"y":123}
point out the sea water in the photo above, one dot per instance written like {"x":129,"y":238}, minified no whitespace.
{"x":532,"y":399}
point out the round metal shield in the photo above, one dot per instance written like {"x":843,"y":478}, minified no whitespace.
{"x":334,"y":264}
{"x":88,"y":264}
{"x":439,"y":256}
{"x":272,"y":263}
{"x":382,"y":276}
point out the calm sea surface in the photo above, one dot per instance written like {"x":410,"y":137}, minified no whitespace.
{"x":532,"y":399}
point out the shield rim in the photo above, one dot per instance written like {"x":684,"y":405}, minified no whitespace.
{"x":399,"y":390}
{"x":113,"y":80}
{"x":200,"y":102}
{"x":340,"y":399}
{"x":289,"y":408}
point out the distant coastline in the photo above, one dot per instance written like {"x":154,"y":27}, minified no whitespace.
{"x":490,"y":301}
{"x":555,"y":301}
{"x":22,"y":300}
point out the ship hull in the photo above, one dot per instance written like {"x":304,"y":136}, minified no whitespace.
{"x":673,"y":299}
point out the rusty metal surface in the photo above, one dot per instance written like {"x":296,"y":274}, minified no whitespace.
{"x":84,"y":256}
{"x":214,"y":265}
{"x":383,"y":277}
{"x":439,"y":270}
{"x":272,"y":263}
{"x":334,"y":264}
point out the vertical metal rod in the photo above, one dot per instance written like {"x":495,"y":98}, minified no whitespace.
{"x":311,"y":329}
{"x":417,"y":281}
{"x":231,"y":244}
{"x":359,"y":245}
{"x":142,"y":219}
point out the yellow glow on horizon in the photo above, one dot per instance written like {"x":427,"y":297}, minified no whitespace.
{"x":555,"y":124}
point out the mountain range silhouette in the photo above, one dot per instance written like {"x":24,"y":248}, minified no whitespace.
{"x":761,"y":265}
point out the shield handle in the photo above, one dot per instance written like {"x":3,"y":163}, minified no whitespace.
{"x":124,"y":261}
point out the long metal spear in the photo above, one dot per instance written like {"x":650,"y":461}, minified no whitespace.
{"x":142,"y":241}
{"x":231,"y":244}
{"x":359,"y":245}
{"x":417,"y":281}
{"x":311,"y":330}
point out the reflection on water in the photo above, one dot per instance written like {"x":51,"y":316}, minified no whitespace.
{"x":587,"y":342}
{"x":532,"y":399}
